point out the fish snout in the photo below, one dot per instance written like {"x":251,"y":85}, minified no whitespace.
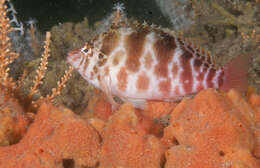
{"x":73,"y":57}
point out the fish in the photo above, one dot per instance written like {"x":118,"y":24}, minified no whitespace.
{"x":139,"y":62}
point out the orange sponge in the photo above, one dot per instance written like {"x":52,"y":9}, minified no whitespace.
{"x":212,"y":130}
{"x":55,"y":136}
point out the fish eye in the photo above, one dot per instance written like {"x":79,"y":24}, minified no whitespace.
{"x":84,"y":50}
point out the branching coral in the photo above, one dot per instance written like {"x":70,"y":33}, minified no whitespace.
{"x":13,"y":104}
{"x":42,"y":68}
{"x":7,"y":56}
{"x":61,"y":84}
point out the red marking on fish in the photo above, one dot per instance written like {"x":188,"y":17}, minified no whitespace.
{"x":142,"y":82}
{"x":122,"y":79}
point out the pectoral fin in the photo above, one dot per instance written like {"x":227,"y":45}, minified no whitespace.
{"x":105,"y":84}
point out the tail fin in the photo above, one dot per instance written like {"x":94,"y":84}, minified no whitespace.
{"x":236,"y":73}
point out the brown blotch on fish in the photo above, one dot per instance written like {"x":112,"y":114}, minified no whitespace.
{"x":110,"y":42}
{"x":101,"y":62}
{"x":199,"y":87}
{"x":142,"y":82}
{"x":221,"y":79}
{"x":164,"y":49}
{"x":118,"y":57}
{"x":90,"y":55}
{"x":85,"y":66}
{"x":165,"y":87}
{"x":180,"y":41}
{"x":100,"y":56}
{"x":211,"y":75}
{"x":202,"y":58}
{"x":90,"y":45}
{"x":82,"y":60}
{"x":209,"y":60}
{"x":197,"y":64}
{"x":177,"y":90}
{"x":197,"y":55}
{"x":134,"y":44}
{"x":148,"y":60}
{"x":95,"y":69}
{"x":106,"y":71}
{"x":122,"y":79}
{"x":98,"y":77}
{"x":200,"y":77}
{"x":91,"y":75}
{"x":190,"y":48}
{"x":206,"y":65}
{"x":75,"y":55}
{"x":174,"y":70}
{"x":186,"y":76}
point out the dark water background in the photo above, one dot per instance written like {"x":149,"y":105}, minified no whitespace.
{"x":52,"y":12}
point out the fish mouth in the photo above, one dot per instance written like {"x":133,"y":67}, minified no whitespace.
{"x":73,"y":56}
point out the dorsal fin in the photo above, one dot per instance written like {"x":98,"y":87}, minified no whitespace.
{"x":199,"y":52}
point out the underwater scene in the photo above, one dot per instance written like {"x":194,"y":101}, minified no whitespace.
{"x":130,"y":83}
